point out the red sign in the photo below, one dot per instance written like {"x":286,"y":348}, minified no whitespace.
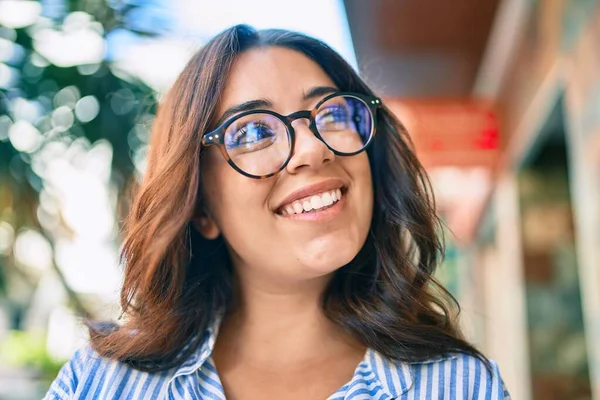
{"x":450,"y":132}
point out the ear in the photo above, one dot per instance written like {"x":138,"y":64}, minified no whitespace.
{"x":206,"y":226}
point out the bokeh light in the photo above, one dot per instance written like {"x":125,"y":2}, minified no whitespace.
{"x":5,"y":124}
{"x":79,"y":42}
{"x":19,"y":13}
{"x":33,"y":251}
{"x":24,"y":136}
{"x":7,"y":236}
{"x":87,"y":108}
{"x":62,"y":118}
{"x":67,"y":96}
{"x":8,"y":76}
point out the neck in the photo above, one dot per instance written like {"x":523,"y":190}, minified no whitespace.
{"x":280,"y":325}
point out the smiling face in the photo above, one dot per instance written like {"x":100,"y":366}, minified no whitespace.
{"x":265,"y":222}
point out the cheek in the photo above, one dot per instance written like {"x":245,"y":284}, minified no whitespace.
{"x":230,"y":201}
{"x":360,"y":170}
{"x":236,"y":203}
{"x":363,"y":195}
{"x":222,"y":184}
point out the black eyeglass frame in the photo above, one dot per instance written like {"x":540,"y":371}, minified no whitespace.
{"x":216,"y":137}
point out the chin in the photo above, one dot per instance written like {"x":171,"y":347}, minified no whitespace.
{"x":325,"y":253}
{"x":327,"y":260}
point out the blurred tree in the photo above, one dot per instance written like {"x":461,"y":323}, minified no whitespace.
{"x":44,"y":101}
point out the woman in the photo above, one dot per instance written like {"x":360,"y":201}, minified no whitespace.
{"x":281,"y":246}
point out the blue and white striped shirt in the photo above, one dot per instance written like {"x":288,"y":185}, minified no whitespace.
{"x":457,"y":376}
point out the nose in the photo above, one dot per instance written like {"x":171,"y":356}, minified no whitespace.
{"x":309,"y":152}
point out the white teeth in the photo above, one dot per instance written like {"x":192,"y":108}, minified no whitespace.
{"x":313,"y":203}
{"x":316,"y":202}
{"x":298,"y":208}
{"x":307,"y":205}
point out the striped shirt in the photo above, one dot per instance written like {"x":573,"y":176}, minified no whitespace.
{"x":456,"y":376}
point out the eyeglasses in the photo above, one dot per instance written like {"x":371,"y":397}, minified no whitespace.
{"x":260,"y":143}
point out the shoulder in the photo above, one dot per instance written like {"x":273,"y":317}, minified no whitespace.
{"x":67,"y":381}
{"x":458,"y":376}
{"x":89,"y":375}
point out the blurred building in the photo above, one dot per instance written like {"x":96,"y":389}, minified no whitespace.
{"x":502,"y":99}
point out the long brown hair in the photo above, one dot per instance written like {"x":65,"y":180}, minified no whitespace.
{"x":176,"y":282}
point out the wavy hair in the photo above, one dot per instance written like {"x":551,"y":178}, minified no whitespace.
{"x":177,"y":282}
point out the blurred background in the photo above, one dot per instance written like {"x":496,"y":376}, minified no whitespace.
{"x":502,"y":100}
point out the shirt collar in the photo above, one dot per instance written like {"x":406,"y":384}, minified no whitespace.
{"x":394,"y":377}
{"x":202,"y":353}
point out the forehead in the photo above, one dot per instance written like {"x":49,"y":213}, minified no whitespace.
{"x":274,"y":73}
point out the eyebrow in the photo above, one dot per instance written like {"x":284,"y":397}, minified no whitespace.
{"x":311,"y":94}
{"x":319,"y":91}
{"x":245,"y":106}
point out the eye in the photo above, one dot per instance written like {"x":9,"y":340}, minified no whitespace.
{"x":252,"y":132}
{"x":249,"y":136}
{"x":335,"y":113}
{"x":334,"y":116}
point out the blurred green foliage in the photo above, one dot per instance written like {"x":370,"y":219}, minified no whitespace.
{"x":28,"y":350}
{"x":113,"y":122}
{"x":126,"y":106}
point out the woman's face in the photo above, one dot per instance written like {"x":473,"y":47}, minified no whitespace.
{"x":263,"y":239}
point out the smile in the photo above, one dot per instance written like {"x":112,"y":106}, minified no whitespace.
{"x":314,"y":203}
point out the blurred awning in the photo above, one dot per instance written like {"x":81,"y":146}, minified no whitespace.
{"x":416,"y":48}
{"x":424,"y":58}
